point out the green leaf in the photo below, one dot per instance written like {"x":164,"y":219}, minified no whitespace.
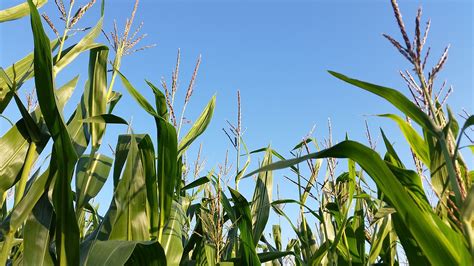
{"x":468,"y":123}
{"x":18,"y":11}
{"x":167,"y":168}
{"x":96,"y":97}
{"x":131,"y":221}
{"x":383,"y":228}
{"x":78,"y":131}
{"x":160,"y":101}
{"x":91,"y":174}
{"x":320,"y":254}
{"x":276,"y":232}
{"x":260,"y":208}
{"x":396,"y":99}
{"x":64,"y":156}
{"x":23,"y":68}
{"x":113,"y":100}
{"x":198,"y":127}
{"x":117,"y":252}
{"x":417,"y":144}
{"x":207,"y":255}
{"x":273,"y":255}
{"x":441,"y":244}
{"x":15,"y":143}
{"x":31,"y":126}
{"x":172,"y":235}
{"x":285,"y":201}
{"x":147,"y":151}
{"x":36,"y":234}
{"x":247,"y":247}
{"x":144,"y":104}
{"x":200,"y":181}
{"x":105,"y":119}
{"x":468,"y":217}
{"x":19,"y":72}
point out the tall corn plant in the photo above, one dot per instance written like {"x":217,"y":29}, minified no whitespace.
{"x":138,"y":218}
{"x":440,"y":235}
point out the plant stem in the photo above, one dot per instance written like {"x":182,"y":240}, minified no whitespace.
{"x":451,"y":170}
{"x":66,"y":30}
{"x":63,"y":39}
{"x":30,"y":159}
{"x":115,"y":68}
{"x":6,"y":247}
{"x":181,"y":119}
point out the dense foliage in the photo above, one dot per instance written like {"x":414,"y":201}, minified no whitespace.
{"x":157,"y":217}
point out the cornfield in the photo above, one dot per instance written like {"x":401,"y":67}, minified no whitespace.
{"x":372,"y":210}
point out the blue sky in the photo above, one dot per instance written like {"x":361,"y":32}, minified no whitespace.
{"x":276,"y":54}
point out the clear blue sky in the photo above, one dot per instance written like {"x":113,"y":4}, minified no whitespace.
{"x":277,"y":54}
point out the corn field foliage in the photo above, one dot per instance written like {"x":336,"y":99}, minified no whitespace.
{"x":158,"y":217}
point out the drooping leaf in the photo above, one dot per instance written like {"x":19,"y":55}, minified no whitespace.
{"x":396,"y":99}
{"x":20,"y":71}
{"x":105,"y":119}
{"x":144,"y":104}
{"x":32,"y":128}
{"x":160,"y":101}
{"x":118,"y":252}
{"x":198,"y":182}
{"x":18,"y":11}
{"x":441,"y":244}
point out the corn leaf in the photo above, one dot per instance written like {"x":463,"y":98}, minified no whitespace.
{"x":18,"y":11}
{"x":160,"y":101}
{"x":247,"y":246}
{"x":96,"y":98}
{"x":36,"y":234}
{"x":91,"y":175}
{"x":441,"y":244}
{"x":15,"y":143}
{"x":167,"y":168}
{"x":80,"y":137}
{"x":117,"y":252}
{"x":144,"y":104}
{"x":172,"y":235}
{"x":20,"y":71}
{"x":64,"y":156}
{"x":147,"y":152}
{"x":131,"y":221}
{"x":417,"y":144}
{"x":260,"y":207}
{"x":396,"y":99}
{"x":198,"y":127}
